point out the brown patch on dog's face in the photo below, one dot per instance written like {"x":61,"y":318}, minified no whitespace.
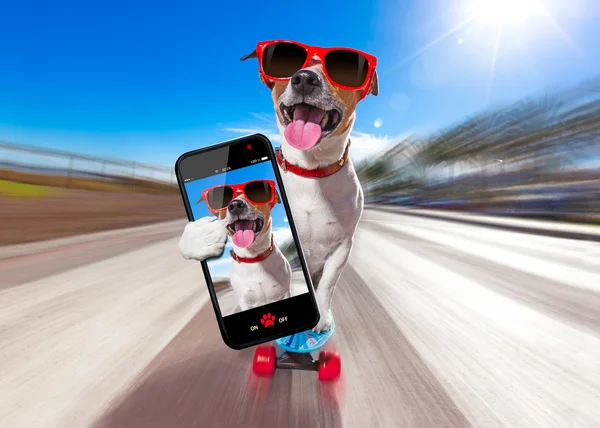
{"x":265,"y":210}
{"x":333,"y":105}
{"x":349,"y":99}
{"x":276,"y":93}
{"x":241,"y":214}
{"x":374,"y":89}
{"x":255,"y":216}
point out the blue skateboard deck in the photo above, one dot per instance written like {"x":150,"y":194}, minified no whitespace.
{"x":298,"y":355}
{"x":306,"y":341}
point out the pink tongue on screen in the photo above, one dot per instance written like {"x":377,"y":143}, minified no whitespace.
{"x":244,"y":235}
{"x":304,"y":132}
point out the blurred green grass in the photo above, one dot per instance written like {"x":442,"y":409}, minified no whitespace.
{"x":13,"y":189}
{"x":124,"y":185}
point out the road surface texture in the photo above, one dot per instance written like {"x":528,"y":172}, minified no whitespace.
{"x":439,"y":324}
{"x":73,"y":212}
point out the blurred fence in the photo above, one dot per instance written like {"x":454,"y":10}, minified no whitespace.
{"x":40,"y":166}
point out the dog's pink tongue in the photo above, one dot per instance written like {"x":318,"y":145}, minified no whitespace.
{"x":244,"y":235}
{"x":304,"y":132}
{"x":243,"y":238}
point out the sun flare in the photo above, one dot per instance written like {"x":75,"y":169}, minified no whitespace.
{"x":505,"y":10}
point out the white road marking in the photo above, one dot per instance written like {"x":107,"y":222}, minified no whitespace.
{"x":504,"y":363}
{"x":546,"y":269}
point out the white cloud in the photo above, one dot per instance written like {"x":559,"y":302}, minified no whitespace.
{"x":265,"y":117}
{"x":285,"y":219}
{"x":281,"y":235}
{"x":378,"y":123}
{"x":365,"y":145}
{"x":268,"y":127}
{"x":269,"y":133}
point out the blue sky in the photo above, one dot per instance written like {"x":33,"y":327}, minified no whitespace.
{"x":261,"y":171}
{"x":151,"y":80}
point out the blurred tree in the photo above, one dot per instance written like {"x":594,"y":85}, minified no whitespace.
{"x":526,"y":142}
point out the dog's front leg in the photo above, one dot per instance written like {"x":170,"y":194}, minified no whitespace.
{"x":332,"y":269}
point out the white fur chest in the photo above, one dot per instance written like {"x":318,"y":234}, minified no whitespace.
{"x":259,"y":283}
{"x":326,"y":211}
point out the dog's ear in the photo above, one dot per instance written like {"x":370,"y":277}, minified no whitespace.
{"x":253,"y":54}
{"x":374,"y":89}
{"x":250,"y":55}
{"x":277,"y":198}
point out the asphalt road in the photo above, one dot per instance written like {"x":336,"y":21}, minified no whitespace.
{"x":439,"y":324}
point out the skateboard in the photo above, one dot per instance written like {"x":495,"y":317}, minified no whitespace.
{"x":297,"y":351}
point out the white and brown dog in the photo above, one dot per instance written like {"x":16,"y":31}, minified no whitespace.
{"x":315,"y":119}
{"x":260,"y":273}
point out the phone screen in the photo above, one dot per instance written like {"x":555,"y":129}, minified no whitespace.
{"x":260,"y":285}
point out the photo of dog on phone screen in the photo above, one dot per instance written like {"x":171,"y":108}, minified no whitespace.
{"x":260,"y":262}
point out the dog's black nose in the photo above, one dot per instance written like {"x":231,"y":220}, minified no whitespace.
{"x":305,"y":81}
{"x":236,"y":207}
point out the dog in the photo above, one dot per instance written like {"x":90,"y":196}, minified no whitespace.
{"x":260,"y":273}
{"x":315,"y":119}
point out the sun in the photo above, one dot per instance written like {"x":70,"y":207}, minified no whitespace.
{"x":505,"y":10}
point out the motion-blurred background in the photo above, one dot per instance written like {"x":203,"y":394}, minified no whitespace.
{"x":537,"y":157}
{"x":472,"y":296}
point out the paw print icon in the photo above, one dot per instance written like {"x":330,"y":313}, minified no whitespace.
{"x":267,"y":320}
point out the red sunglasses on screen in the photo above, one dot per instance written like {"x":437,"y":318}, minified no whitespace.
{"x":258,"y":192}
{"x":345,"y":68}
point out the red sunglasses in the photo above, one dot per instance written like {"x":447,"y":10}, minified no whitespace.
{"x":258,"y":192}
{"x":345,"y":68}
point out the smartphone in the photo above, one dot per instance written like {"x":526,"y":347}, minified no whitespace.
{"x":260,"y":286}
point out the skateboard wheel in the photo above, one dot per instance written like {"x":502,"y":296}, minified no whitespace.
{"x":330,"y":365}
{"x":264,"y":361}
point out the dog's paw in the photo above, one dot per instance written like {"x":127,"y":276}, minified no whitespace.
{"x":203,"y":238}
{"x":324,"y":323}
